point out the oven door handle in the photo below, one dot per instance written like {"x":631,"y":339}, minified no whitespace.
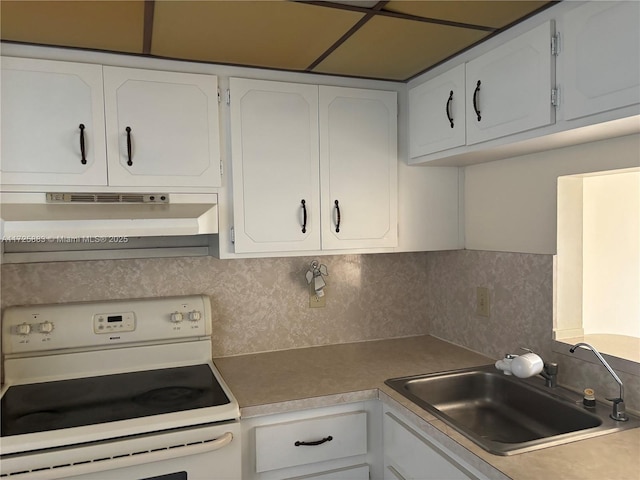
{"x":138,"y":458}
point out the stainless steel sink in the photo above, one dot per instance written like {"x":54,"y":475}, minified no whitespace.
{"x":507,"y":415}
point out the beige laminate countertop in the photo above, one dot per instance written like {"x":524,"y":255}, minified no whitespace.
{"x":282,"y":381}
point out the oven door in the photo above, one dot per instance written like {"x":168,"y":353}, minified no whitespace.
{"x":205,"y":452}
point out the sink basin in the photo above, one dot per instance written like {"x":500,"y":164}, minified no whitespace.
{"x":504,"y":414}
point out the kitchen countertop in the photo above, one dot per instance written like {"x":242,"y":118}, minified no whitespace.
{"x":287,"y":380}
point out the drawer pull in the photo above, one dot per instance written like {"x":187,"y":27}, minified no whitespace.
{"x":313,"y":444}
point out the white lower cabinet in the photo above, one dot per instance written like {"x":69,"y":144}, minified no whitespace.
{"x":411,"y":454}
{"x":340,"y":442}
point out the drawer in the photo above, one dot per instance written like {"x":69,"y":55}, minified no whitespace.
{"x":358,"y":472}
{"x":311,"y":440}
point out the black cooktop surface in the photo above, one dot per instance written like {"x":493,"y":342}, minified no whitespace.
{"x":40,"y":407}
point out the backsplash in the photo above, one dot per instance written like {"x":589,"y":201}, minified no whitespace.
{"x":521,"y":303}
{"x":262,"y":304}
{"x":258,"y":304}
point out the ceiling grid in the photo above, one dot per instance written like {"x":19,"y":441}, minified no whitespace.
{"x":387,"y":40}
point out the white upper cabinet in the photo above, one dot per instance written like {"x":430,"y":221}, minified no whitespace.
{"x":437,"y":113}
{"x":600,"y":57}
{"x":509,"y":87}
{"x":162,"y":128}
{"x":296,"y":150}
{"x":148,"y":128}
{"x":276,"y":188}
{"x":359,"y":168}
{"x":52,"y":123}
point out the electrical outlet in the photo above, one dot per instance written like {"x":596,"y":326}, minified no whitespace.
{"x":482,"y":301}
{"x":316,"y":301}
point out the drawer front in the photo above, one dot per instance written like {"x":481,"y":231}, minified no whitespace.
{"x":359,"y":472}
{"x":309,"y":441}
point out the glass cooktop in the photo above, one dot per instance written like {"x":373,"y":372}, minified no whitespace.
{"x":41,"y":407}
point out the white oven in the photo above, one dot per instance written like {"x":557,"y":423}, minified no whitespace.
{"x":115,"y":390}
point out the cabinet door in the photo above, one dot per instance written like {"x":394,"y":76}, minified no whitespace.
{"x":173,"y":121}
{"x":436,"y":113}
{"x":600,"y":56}
{"x":409,"y":455}
{"x":509,"y":88}
{"x":359,"y":168}
{"x":51,"y":112}
{"x":274,"y":139}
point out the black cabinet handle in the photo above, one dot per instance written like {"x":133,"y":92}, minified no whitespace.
{"x":130,"y":161}
{"x":475,"y":101}
{"x":304,"y":216}
{"x":448,"y":108}
{"x":338,"y":214}
{"x":313,"y":444}
{"x":83,"y":153}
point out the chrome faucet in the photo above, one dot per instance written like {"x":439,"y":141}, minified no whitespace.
{"x":619,"y":412}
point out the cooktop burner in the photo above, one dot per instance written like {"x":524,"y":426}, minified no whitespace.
{"x":78,"y":402}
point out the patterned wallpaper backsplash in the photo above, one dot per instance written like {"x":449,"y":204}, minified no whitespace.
{"x":258,"y":304}
{"x":263,"y":304}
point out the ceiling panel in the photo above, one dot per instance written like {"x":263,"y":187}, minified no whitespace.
{"x":116,"y":26}
{"x":277,"y":34}
{"x":495,"y":14}
{"x":397,"y":49}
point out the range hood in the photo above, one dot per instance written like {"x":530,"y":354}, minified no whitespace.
{"x":33,"y":217}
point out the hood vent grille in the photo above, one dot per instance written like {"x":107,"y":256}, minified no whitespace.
{"x":107,"y":198}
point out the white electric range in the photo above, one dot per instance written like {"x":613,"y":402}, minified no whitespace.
{"x":120,"y":390}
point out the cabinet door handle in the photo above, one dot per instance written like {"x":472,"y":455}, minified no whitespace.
{"x":313,"y":444}
{"x":83,"y":153}
{"x":448,"y":108}
{"x":304,"y":216}
{"x":476,"y":92}
{"x":130,"y":160}
{"x":338,"y":217}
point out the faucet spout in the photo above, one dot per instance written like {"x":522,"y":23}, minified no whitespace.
{"x":619,"y":413}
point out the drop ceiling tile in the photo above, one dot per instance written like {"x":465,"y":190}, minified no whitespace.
{"x":495,"y":14}
{"x":115,"y":26}
{"x":274,"y":34}
{"x":397,"y":49}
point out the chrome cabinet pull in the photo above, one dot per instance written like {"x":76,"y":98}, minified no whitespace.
{"x":130,"y":161}
{"x":304,"y":216}
{"x":338,"y":214}
{"x":313,"y":444}
{"x":83,"y":153}
{"x":448,"y":108}
{"x":476,"y":92}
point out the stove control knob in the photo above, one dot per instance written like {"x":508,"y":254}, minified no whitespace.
{"x":45,"y":327}
{"x":195,"y":316}
{"x":177,"y":317}
{"x":23,"y":329}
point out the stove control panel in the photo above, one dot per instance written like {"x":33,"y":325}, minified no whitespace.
{"x":97,"y":324}
{"x":114,"y":322}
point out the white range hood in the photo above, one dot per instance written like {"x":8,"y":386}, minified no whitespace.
{"x":51,"y":216}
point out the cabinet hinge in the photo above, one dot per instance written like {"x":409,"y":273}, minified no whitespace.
{"x":233,"y":235}
{"x":219,"y":95}
{"x":555,"y":97}
{"x":228,"y":97}
{"x":555,"y":44}
{"x":221,"y":168}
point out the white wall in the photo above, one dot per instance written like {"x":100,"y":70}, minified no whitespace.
{"x":611,"y":249}
{"x":510,"y":205}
